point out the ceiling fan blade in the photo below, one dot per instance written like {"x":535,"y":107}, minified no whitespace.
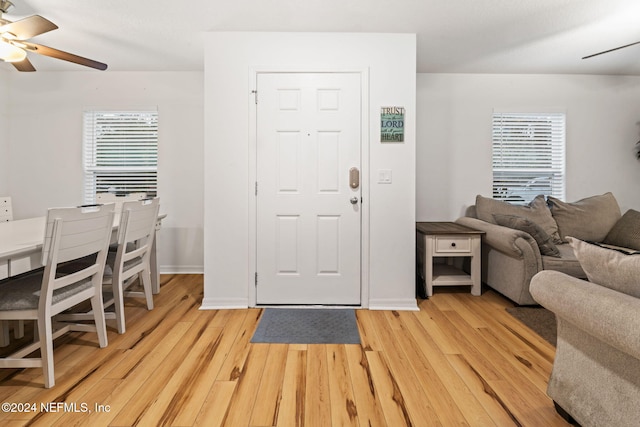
{"x":610,"y":50}
{"x":28,"y":27}
{"x":65,"y":56}
{"x":24,"y":65}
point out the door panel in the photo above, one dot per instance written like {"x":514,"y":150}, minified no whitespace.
{"x":308,"y":228}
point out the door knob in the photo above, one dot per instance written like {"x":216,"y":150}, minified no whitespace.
{"x":354,"y":200}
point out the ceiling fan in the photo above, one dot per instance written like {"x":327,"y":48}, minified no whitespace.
{"x":610,"y":50}
{"x":14,"y":45}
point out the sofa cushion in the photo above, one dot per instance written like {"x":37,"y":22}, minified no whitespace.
{"x":587,"y":219}
{"x":544,"y":241}
{"x":567,"y":263}
{"x":609,"y":268}
{"x":626,"y":232}
{"x":536,"y":211}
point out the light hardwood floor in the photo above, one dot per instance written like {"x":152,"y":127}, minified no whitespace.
{"x":460,"y":360}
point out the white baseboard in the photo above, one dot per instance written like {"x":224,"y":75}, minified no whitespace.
{"x":391,"y":304}
{"x":224,"y":304}
{"x":181,"y":269}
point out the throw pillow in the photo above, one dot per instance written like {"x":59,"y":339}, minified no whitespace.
{"x":587,"y":219}
{"x":608,"y":268}
{"x":626,"y":232}
{"x":544,"y":241}
{"x":537,"y":212}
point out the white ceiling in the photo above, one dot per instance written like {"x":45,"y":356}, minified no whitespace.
{"x":454,"y":36}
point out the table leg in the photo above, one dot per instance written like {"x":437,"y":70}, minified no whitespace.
{"x":153,"y":261}
{"x":428,"y":265}
{"x":476,"y":288}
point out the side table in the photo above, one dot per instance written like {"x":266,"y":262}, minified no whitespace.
{"x":448,"y":239}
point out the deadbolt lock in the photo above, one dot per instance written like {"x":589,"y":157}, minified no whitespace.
{"x":354,"y":178}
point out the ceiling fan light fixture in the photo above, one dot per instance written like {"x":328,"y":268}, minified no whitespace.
{"x":11,"y":53}
{"x":5,"y":5}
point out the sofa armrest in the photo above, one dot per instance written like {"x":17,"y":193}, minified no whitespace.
{"x":608,"y":315}
{"x":512,"y":242}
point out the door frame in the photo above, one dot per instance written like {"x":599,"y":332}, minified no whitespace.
{"x":364,"y":172}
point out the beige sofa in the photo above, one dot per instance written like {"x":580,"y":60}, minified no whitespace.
{"x":596,"y":372}
{"x":521,"y":241}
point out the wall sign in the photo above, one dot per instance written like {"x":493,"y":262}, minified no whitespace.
{"x":392,"y":124}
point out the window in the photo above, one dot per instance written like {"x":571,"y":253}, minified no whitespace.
{"x":120,"y":153}
{"x":528,"y":156}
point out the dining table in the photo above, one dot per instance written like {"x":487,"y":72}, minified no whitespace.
{"x":23,"y":238}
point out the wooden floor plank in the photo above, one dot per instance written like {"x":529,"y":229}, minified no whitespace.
{"x":244,"y":397}
{"x":456,"y":388}
{"x":368,"y":336}
{"x":317,"y":398}
{"x":459,"y":360}
{"x":214,"y":408}
{"x":294,"y":389}
{"x":269,"y":396}
{"x":343,"y":405}
{"x":391,"y":399}
{"x":416,"y":401}
{"x":234,"y":363}
{"x":182,"y":390}
{"x":364,"y":390}
{"x":443,"y":404}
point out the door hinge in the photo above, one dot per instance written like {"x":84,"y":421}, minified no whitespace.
{"x":256,"y":279}
{"x":255,"y":95}
{"x":256,"y":188}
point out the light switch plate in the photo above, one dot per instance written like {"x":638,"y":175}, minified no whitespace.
{"x":384,"y":176}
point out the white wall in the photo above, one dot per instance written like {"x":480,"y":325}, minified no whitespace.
{"x":45,"y":163}
{"x":454,"y":135}
{"x":229,"y":59}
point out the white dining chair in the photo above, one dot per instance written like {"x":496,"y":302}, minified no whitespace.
{"x":131,"y":259}
{"x":70,"y":234}
{"x":128,"y":260}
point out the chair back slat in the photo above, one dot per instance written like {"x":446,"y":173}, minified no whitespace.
{"x":81,"y":232}
{"x":137,"y":224}
{"x":119,"y":200}
{"x":139,"y":219}
{"x":142,"y":221}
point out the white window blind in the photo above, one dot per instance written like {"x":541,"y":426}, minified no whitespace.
{"x":528,"y":156}
{"x":120,"y":153}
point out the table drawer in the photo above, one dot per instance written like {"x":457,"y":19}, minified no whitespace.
{"x":448,"y":244}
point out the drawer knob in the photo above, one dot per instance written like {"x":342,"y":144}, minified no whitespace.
{"x":453,"y":244}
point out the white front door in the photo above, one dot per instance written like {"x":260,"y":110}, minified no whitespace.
{"x":308,"y":210}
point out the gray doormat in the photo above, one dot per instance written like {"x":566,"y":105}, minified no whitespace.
{"x":307,"y":326}
{"x":541,"y":320}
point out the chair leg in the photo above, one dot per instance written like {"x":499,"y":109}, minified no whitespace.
{"x":18,"y":330}
{"x":5,"y":337}
{"x":118,"y":304}
{"x":45,"y":330}
{"x":146,"y":284}
{"x":98,"y":315}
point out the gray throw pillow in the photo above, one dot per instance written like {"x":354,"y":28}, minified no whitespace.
{"x":587,"y":219}
{"x":537,"y":212}
{"x":544,"y":241}
{"x":626,"y":232}
{"x":608,"y":267}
